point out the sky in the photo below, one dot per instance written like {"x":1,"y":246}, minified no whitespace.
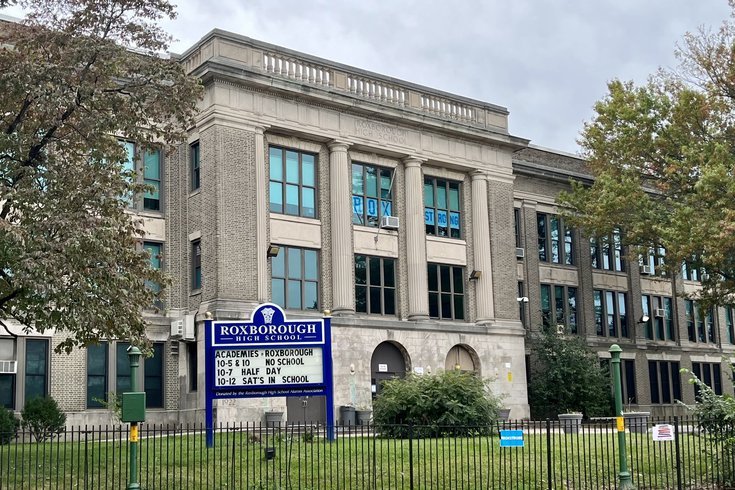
{"x":547,"y":61}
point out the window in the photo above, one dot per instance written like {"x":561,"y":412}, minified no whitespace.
{"x":196,"y":264}
{"x":192,"y":356}
{"x":153,"y":377}
{"x":195,"y":170}
{"x":522,"y":304}
{"x":446,"y":292}
{"x":610,"y":313}
{"x":123,"y":380}
{"x":729,"y":321}
{"x":700,"y":324}
{"x":627,"y":379}
{"x":709,"y":373}
{"x":665,"y":381}
{"x":150,"y":160}
{"x":154,"y":250}
{"x":607,"y":252}
{"x":441,"y":208}
{"x":292,"y":182}
{"x":36,"y":369}
{"x":554,"y":240}
{"x":7,"y":380}
{"x":654,"y":262}
{"x":559,"y":306}
{"x":375,"y":285}
{"x":660,"y":324}
{"x":690,"y":272}
{"x":96,"y":375}
{"x":517,"y":226}
{"x":372,"y":196}
{"x":295,"y":279}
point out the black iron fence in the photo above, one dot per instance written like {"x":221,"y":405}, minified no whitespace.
{"x":253,"y":456}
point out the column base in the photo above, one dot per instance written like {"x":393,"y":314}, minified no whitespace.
{"x":418,"y":317}
{"x":343,"y":312}
{"x":484,"y":321}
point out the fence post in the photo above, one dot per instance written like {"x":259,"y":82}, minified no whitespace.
{"x":410,"y":456}
{"x":549,"y":468}
{"x":678,"y":452}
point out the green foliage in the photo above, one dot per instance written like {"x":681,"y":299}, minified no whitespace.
{"x":566,"y":377}
{"x":663,"y":158}
{"x":82,"y":72}
{"x":9,"y":425}
{"x":448,"y":403}
{"x":43,"y":418}
{"x":715,"y":413}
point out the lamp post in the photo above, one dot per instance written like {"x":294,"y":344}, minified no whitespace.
{"x":626,"y":481}
{"x":134,"y":355}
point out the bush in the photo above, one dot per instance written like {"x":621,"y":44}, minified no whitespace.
{"x":449,"y":403}
{"x":9,"y":424}
{"x":43,"y":418}
{"x":566,"y":377}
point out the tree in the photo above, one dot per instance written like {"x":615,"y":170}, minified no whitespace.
{"x":80,"y":74}
{"x":663,"y":156}
{"x":566,"y":377}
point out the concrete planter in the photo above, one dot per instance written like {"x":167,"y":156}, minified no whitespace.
{"x":637,"y":422}
{"x":570,"y":423}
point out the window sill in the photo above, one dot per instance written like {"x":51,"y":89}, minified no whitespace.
{"x":446,"y":239}
{"x":294,"y":219}
{"x":374,"y":229}
{"x":195,"y":192}
{"x":195,"y":292}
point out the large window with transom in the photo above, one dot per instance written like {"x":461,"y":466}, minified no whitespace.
{"x":375,"y":285}
{"x":611,"y":316}
{"x":295,"y":279}
{"x":442,"y":215}
{"x":293,"y":182}
{"x":446,"y":292}
{"x":555,"y":243}
{"x":372,"y":194}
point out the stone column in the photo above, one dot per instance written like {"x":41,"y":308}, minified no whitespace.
{"x":481,"y":246}
{"x":343,"y":289}
{"x":418,"y":282}
{"x":261,"y":215}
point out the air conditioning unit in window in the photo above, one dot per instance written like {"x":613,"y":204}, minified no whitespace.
{"x":520,"y":252}
{"x":189,"y":330}
{"x":8,"y":367}
{"x":646,"y":269}
{"x":174,"y":348}
{"x":389,"y":222}
{"x":177,"y":329}
{"x":659,"y":313}
{"x":560,"y":329}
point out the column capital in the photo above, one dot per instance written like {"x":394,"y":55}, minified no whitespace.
{"x":413,"y":161}
{"x":338,"y":145}
{"x":261,"y":129}
{"x":479,"y":175}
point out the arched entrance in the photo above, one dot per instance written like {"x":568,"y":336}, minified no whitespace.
{"x":462,"y":358}
{"x":390,"y":360}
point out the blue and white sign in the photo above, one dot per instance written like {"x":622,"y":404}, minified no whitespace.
{"x":268,"y":356}
{"x":511,"y":438}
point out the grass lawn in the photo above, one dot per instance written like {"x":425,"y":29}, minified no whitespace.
{"x":179,"y":459}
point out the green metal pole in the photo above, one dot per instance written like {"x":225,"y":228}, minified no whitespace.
{"x":626,"y":481}
{"x":133,"y":484}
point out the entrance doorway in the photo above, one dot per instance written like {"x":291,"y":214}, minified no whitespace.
{"x":389,"y":361}
{"x":306,"y":409}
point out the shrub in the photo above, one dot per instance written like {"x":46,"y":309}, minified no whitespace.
{"x":43,"y":418}
{"x":9,"y":424}
{"x":448,"y":403}
{"x":566,"y":376}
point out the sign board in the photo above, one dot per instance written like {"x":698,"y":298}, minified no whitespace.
{"x":267,"y":356}
{"x":511,"y":438}
{"x":663,"y":432}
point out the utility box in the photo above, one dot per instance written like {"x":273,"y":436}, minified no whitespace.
{"x":133,"y":407}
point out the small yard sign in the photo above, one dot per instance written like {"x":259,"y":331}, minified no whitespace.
{"x":663,"y":432}
{"x":511,"y":438}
